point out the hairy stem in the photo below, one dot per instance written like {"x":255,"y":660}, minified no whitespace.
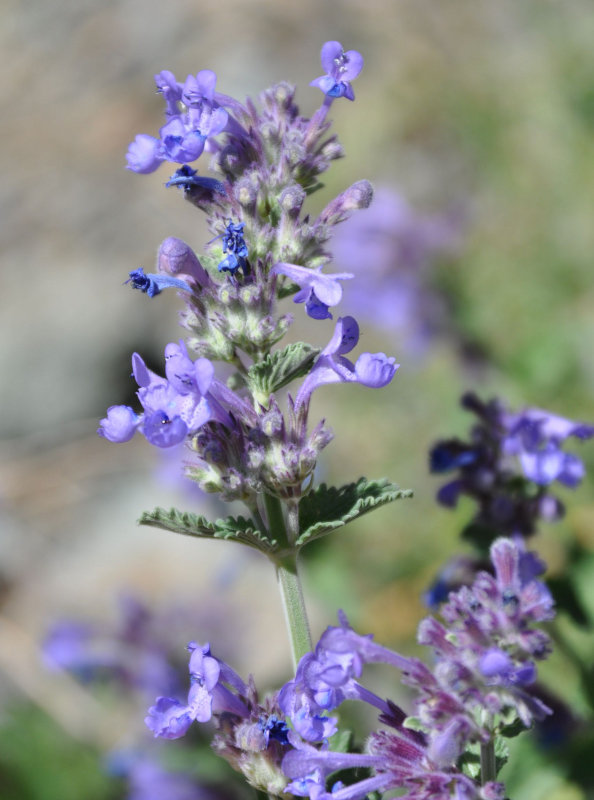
{"x":287,"y":573}
{"x":488,"y":765}
{"x":294,"y":606}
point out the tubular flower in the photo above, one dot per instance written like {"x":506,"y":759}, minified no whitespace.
{"x":341,"y":68}
{"x":371,"y":369}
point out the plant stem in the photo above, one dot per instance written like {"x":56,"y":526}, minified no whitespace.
{"x":287,"y":573}
{"x":488,"y":765}
{"x":294,"y":605}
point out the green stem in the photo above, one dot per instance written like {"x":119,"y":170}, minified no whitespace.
{"x":488,"y":764}
{"x":294,"y":606}
{"x":287,"y":573}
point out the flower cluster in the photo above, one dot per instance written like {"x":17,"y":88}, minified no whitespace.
{"x":252,"y":736}
{"x":510,"y":500}
{"x":134,"y":653}
{"x":264,"y":248}
{"x":480,"y":681}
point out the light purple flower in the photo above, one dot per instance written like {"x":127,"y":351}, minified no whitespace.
{"x":150,"y":781}
{"x":183,"y":137}
{"x":119,"y":425}
{"x":170,"y":719}
{"x":318,"y":291}
{"x":371,"y":369}
{"x":171,"y":91}
{"x":199,"y":88}
{"x":144,"y":154}
{"x":175,"y":406}
{"x":341,"y":68}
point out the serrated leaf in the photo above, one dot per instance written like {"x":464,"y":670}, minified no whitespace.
{"x":240,"y":529}
{"x":280,"y":368}
{"x":328,"y":508}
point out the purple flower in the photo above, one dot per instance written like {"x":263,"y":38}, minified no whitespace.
{"x":535,"y":436}
{"x":175,"y":406}
{"x":170,"y":719}
{"x":318,"y":291}
{"x":171,"y":91}
{"x":144,"y":154}
{"x":150,"y":781}
{"x":120,"y":424}
{"x":200,"y":88}
{"x":328,"y":676}
{"x":488,"y":470}
{"x":152,"y":284}
{"x":396,"y":249}
{"x":371,"y":369}
{"x":341,"y":68}
{"x":133,"y":654}
{"x":483,"y":660}
{"x":183,"y":137}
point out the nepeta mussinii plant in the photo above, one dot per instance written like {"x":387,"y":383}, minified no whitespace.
{"x":248,"y":443}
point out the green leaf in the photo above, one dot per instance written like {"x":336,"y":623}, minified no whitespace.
{"x":280,"y":368}
{"x":328,"y":508}
{"x":470,"y":761}
{"x":501,"y":753}
{"x":240,"y":529}
{"x":341,"y":741}
{"x":512,"y":729}
{"x":286,"y":290}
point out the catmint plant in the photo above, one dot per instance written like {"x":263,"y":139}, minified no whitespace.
{"x":248,"y":440}
{"x":243,"y":440}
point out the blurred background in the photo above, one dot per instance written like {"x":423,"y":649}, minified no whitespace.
{"x":475,"y":122}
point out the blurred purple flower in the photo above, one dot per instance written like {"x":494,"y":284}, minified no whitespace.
{"x":393,"y":250}
{"x":508,"y":502}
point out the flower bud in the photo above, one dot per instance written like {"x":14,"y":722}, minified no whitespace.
{"x":245,"y":192}
{"x":175,"y":256}
{"x":333,"y":150}
{"x":357,"y":196}
{"x":283,"y":94}
{"x":291,"y":199}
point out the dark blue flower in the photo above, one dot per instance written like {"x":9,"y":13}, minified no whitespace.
{"x":153,"y":284}
{"x":186,"y":177}
{"x":235,"y":247}
{"x":451,"y":454}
